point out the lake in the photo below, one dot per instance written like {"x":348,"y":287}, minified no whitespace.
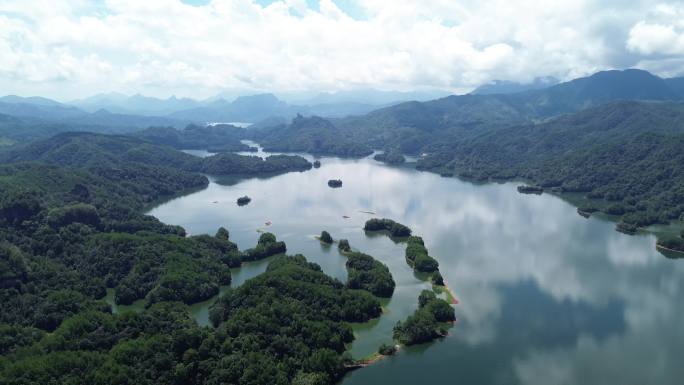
{"x":546,"y":296}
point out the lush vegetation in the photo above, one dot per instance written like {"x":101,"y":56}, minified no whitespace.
{"x":418,"y":258}
{"x":66,"y":235}
{"x":88,"y":150}
{"x":625,"y":157}
{"x":390,"y":157}
{"x":267,"y":246}
{"x":343,"y":245}
{"x":672,"y":243}
{"x":313,"y":135}
{"x":234,"y":164}
{"x":287,"y":325}
{"x":71,"y":227}
{"x":367,"y":273}
{"x":427,"y":323}
{"x":70,"y":230}
{"x":395,"y":229}
{"x":387,"y":350}
{"x":417,"y":127}
{"x":416,"y":253}
{"x":215,"y":138}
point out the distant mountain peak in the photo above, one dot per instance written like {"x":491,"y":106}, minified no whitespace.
{"x":35,"y":100}
{"x":265,"y":97}
{"x":510,"y":87}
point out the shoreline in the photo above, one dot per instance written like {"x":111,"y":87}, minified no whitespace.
{"x":450,"y":293}
{"x":372,"y":359}
{"x":377,"y":357}
{"x":661,"y":247}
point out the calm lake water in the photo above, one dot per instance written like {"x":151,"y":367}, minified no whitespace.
{"x":546,"y":296}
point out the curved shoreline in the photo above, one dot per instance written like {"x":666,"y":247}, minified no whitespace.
{"x":372,"y":359}
{"x":451,"y":296}
{"x":661,"y":247}
{"x":377,"y":357}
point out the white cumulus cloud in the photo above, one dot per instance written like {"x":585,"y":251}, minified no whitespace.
{"x":71,"y":48}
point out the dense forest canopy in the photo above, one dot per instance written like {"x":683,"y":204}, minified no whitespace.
{"x":427,"y":322}
{"x":213,"y":138}
{"x":73,"y":228}
{"x":89,"y":150}
{"x":314,"y":135}
{"x":367,"y":273}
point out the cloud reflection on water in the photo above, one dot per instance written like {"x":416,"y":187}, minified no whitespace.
{"x":547,"y":295}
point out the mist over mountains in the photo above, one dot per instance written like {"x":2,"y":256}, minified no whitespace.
{"x":376,"y":116}
{"x":509,"y":87}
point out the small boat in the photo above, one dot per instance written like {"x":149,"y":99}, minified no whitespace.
{"x":268,"y":223}
{"x":345,"y":216}
{"x":214,"y":202}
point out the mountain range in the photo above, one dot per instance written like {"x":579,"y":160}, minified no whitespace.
{"x":411,"y":126}
{"x":408,"y":127}
{"x":140,"y":111}
{"x":509,"y":87}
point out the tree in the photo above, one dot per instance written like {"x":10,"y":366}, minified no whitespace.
{"x":387,"y":350}
{"x":223,"y":234}
{"x":343,"y":245}
{"x":364,"y":272}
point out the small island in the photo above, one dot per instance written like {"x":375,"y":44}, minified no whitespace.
{"x":267,"y":246}
{"x":530,"y":190}
{"x":317,"y":164}
{"x":243,"y":200}
{"x":395,"y":229}
{"x":429,"y":322}
{"x":344,"y":246}
{"x":325,"y":238}
{"x":335,"y":183}
{"x":418,"y":258}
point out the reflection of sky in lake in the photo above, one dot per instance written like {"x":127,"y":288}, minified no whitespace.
{"x":546,"y":296}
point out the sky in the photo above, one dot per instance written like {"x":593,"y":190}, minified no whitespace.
{"x":67,"y":49}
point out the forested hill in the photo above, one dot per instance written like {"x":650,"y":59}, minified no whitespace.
{"x":115,"y":152}
{"x":627,"y":155}
{"x":310,"y":134}
{"x":599,"y":88}
{"x":214,"y":138}
{"x":69,"y":233}
{"x":413,"y":125}
{"x":83,"y":149}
